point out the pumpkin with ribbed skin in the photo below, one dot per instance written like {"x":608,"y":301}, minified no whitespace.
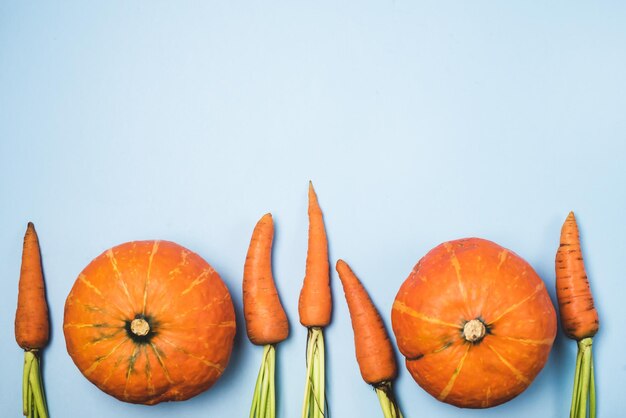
{"x":474,"y":322}
{"x":150,"y":321}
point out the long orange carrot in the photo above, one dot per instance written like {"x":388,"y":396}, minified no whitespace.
{"x":266,"y":321}
{"x":374,"y":352}
{"x":315,"y":308}
{"x":31,"y":324}
{"x":31,"y":317}
{"x":578,"y":315}
{"x":315,"y":304}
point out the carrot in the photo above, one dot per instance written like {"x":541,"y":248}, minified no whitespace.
{"x":315,"y":308}
{"x":578,"y":315}
{"x":374,"y":352}
{"x":315,"y":304}
{"x":31,"y":324}
{"x":266,"y":321}
{"x":31,"y":317}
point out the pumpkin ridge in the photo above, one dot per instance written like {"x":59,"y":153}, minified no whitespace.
{"x":83,"y":279}
{"x":198,"y":280}
{"x":160,"y":360}
{"x":111,"y":256}
{"x":457,"y":269}
{"x":222,"y":324}
{"x":100,"y":359}
{"x":98,"y":309}
{"x":435,"y":351}
{"x":511,"y":308}
{"x":188,"y":354}
{"x":171,"y":275}
{"x":103,"y":337}
{"x":150,"y":385}
{"x":155,"y":248}
{"x":446,"y":390}
{"x":401,"y":307}
{"x":115,"y":366}
{"x":85,"y":325}
{"x":502,"y":256}
{"x":518,"y":375}
{"x":131,"y":364}
{"x":199,"y":308}
{"x":547,"y":341}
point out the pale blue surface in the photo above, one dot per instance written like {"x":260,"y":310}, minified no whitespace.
{"x":418,"y":123}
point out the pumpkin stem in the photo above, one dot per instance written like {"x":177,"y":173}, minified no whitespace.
{"x":139,"y":327}
{"x":474,"y":330}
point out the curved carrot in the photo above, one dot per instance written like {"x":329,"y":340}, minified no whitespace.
{"x":578,"y":313}
{"x":266,"y":321}
{"x":31,"y":317}
{"x":374,"y":351}
{"x":315,"y":303}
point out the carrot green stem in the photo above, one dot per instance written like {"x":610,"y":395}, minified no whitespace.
{"x":28,"y":362}
{"x":584,"y":395}
{"x":573,"y":413}
{"x":272,"y":377}
{"x":309,"y":369}
{"x":321,"y":374}
{"x":264,"y":398}
{"x":384,"y":392}
{"x":592,"y":392}
{"x":33,"y":396}
{"x":314,"y":405}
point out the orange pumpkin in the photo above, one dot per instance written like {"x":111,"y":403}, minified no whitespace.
{"x":150,"y":321}
{"x":474,"y":322}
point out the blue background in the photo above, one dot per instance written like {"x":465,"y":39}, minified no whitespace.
{"x":418,"y":122}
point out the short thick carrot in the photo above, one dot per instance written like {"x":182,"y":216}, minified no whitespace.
{"x":374,"y":351}
{"x":578,"y":313}
{"x":31,"y":316}
{"x":266,"y":321}
{"x":315,"y":304}
{"x":578,"y":316}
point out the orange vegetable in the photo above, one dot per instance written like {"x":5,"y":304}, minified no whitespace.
{"x":150,"y":321}
{"x":31,"y":317}
{"x":315,"y":304}
{"x":314,"y":307}
{"x":266,"y":321}
{"x":474,"y":322}
{"x":374,"y":351}
{"x":578,"y":313}
{"x":32,"y":328}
